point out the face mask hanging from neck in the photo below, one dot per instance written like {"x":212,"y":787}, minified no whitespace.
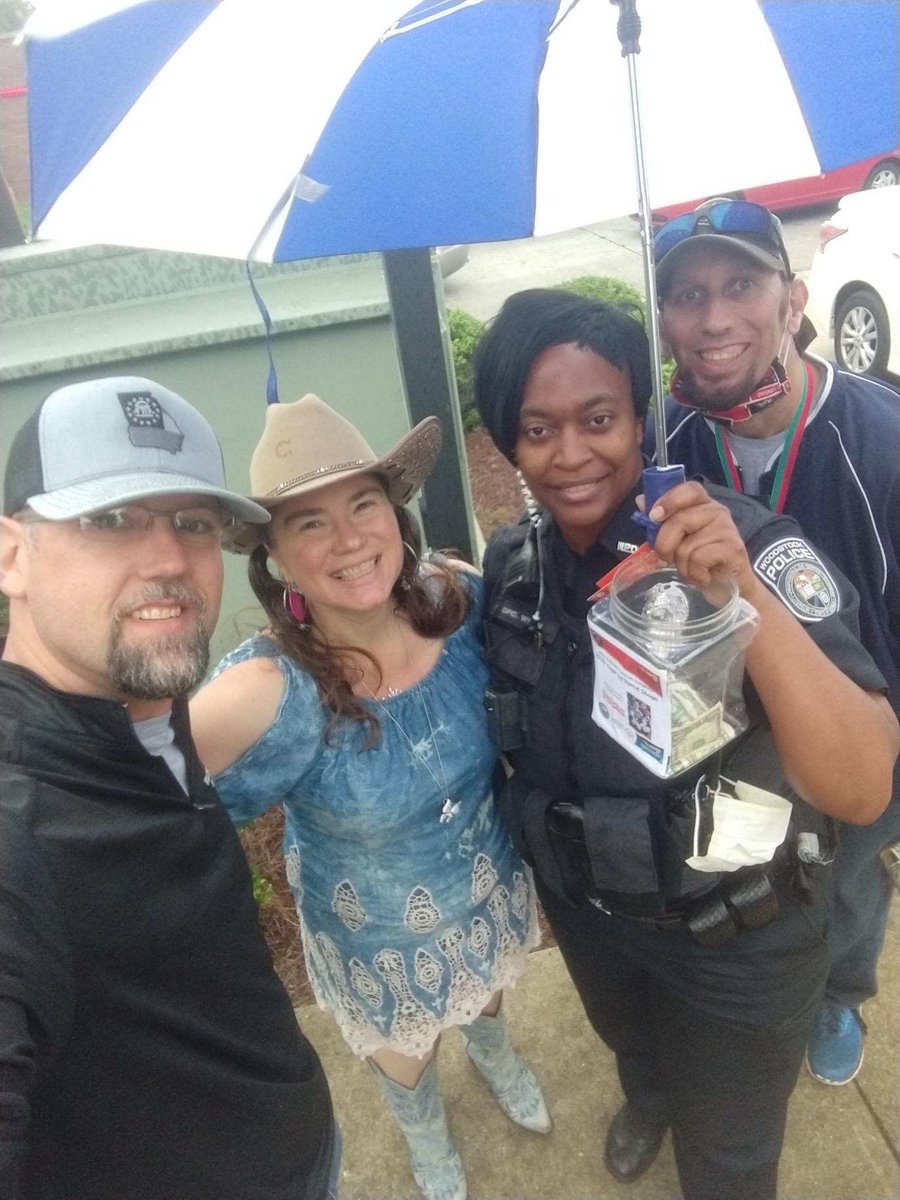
{"x":771,"y":387}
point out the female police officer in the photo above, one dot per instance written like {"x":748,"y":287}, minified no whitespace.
{"x":703,"y":985}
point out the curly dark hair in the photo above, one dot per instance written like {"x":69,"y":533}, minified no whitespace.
{"x":435,"y":605}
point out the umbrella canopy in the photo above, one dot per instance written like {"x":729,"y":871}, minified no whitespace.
{"x":299,"y":129}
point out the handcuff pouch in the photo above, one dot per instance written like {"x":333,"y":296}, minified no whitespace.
{"x":741,"y":902}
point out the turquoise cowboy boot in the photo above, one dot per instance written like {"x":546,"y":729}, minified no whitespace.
{"x":514,"y":1086}
{"x":419,"y":1112}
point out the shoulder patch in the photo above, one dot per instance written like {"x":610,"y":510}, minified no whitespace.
{"x":792,"y":568}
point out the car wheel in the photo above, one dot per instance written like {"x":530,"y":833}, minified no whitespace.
{"x":862,"y":333}
{"x":884,"y":174}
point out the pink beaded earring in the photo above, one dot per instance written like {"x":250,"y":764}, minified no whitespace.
{"x":295,"y":604}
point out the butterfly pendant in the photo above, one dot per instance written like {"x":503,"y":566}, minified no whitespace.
{"x":449,"y":809}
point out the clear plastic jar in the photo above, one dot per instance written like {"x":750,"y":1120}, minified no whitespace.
{"x":669,"y":665}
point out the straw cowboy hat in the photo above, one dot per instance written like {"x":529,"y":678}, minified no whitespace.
{"x":306,"y":445}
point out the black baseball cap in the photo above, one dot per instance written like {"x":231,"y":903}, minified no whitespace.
{"x":749,"y":228}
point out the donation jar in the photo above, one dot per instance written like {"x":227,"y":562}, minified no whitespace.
{"x":669,"y":664}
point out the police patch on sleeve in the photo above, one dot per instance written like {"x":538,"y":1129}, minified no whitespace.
{"x":792,"y":568}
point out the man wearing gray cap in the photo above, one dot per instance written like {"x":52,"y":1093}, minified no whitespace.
{"x":147,"y":1049}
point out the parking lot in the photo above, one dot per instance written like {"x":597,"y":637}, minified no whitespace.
{"x":497,"y":269}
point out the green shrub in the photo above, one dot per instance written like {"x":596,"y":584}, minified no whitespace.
{"x":606,"y":288}
{"x":668,"y":370}
{"x":615,"y":291}
{"x":465,"y":333}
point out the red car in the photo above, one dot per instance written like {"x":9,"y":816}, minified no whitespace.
{"x":881,"y":171}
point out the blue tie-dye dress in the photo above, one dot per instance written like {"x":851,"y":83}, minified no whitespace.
{"x":409,"y":924}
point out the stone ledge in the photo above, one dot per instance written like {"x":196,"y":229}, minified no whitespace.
{"x":298,"y":296}
{"x":43,"y":278}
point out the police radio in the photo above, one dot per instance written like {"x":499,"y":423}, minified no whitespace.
{"x":507,"y":718}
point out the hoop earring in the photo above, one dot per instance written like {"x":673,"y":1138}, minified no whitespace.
{"x":405,"y":584}
{"x":295,"y":605}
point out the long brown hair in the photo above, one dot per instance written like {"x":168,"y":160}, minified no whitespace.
{"x":435,"y":604}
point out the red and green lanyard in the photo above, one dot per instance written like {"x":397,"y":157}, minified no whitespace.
{"x":788,"y":458}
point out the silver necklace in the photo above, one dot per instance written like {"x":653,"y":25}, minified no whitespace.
{"x":391,"y":692}
{"x":449,"y":806}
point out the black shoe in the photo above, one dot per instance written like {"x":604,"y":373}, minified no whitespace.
{"x":631,"y":1145}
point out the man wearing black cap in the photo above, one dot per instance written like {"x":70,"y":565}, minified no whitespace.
{"x":751,"y":410}
{"x":147,"y":1049}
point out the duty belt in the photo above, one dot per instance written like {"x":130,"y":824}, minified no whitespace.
{"x":741,"y":901}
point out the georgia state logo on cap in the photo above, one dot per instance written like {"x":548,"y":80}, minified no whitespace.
{"x":148,"y":422}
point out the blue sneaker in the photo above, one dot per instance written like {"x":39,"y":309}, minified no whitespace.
{"x":835,"y":1051}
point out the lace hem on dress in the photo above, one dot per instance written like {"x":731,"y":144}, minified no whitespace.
{"x":414,"y":1030}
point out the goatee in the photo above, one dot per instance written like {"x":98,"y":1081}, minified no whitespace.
{"x":168,"y":666}
{"x":719,"y":400}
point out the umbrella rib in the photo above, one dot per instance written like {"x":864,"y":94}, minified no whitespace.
{"x":395,"y":30}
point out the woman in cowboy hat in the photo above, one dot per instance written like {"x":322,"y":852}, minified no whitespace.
{"x":360,"y":710}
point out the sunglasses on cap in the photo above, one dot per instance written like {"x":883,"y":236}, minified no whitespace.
{"x":733,"y":218}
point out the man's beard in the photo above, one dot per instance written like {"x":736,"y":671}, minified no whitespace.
{"x":716,"y":399}
{"x":722,"y":398}
{"x":171,"y":665}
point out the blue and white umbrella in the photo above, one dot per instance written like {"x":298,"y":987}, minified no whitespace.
{"x":318,"y":127}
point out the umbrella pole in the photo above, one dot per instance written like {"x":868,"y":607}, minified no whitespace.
{"x":629,"y":31}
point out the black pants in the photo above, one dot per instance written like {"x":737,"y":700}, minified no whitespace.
{"x":707,"y":1041}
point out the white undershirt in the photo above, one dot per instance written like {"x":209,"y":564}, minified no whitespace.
{"x":157,"y":737}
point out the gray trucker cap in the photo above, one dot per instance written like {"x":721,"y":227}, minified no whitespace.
{"x":106,"y":442}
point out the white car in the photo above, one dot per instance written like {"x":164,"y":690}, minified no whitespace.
{"x":854,"y":283}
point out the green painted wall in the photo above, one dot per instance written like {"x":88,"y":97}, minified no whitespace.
{"x":335,"y":339}
{"x":352,"y":367}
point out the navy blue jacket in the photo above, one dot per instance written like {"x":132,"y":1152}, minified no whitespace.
{"x":844,"y":493}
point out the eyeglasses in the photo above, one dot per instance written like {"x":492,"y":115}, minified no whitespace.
{"x":740,"y":218}
{"x":202,"y":525}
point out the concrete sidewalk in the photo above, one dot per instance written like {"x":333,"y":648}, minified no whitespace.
{"x":842,"y":1143}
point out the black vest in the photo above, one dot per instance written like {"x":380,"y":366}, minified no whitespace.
{"x":626,"y":840}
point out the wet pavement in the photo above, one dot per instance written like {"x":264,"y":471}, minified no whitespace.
{"x":842,"y":1143}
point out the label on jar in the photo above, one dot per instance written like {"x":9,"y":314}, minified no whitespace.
{"x":665,"y":723}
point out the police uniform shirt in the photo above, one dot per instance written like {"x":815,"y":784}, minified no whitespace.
{"x":566,"y":753}
{"x":578,"y":573}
